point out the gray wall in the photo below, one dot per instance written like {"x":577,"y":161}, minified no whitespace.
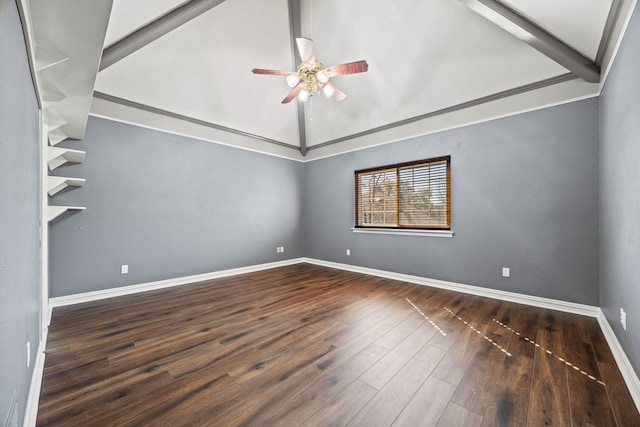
{"x":19,"y":215}
{"x":620,"y":192}
{"x":169,"y":206}
{"x":524,"y":196}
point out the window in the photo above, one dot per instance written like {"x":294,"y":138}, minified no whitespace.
{"x":414,"y":195}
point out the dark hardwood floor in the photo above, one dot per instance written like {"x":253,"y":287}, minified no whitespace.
{"x":308,"y":345}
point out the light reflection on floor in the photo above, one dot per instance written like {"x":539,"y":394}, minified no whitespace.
{"x":425,"y":316}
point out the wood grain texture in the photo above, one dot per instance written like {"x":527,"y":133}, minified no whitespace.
{"x":416,"y":412}
{"x":314,"y":346}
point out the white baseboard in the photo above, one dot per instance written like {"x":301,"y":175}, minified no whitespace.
{"x":628,"y":373}
{"x":626,"y":369}
{"x":31,"y":410}
{"x":568,"y":307}
{"x":161,"y":284}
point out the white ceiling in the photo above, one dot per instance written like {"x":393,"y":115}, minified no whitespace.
{"x":432,"y":65}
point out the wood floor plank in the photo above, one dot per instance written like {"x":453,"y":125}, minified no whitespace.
{"x":400,"y":332}
{"x":457,"y":416}
{"x":252,"y":405}
{"x":550,"y":334}
{"x":174,"y":404}
{"x":302,"y":401}
{"x":549,"y":403}
{"x":359,"y":325}
{"x":395,"y":360}
{"x":71,"y":378}
{"x":309,"y":344}
{"x":385,"y":406}
{"x":509,"y":403}
{"x":342,"y":408}
{"x":477,"y":384}
{"x":99,"y":398}
{"x":239,"y":396}
{"x":457,"y":360}
{"x":119,"y":403}
{"x":357,"y":344}
{"x":524,"y":333}
{"x":624,"y":408}
{"x":452,"y":327}
{"x":427,"y":405}
{"x":476,"y":387}
{"x":589,"y":401}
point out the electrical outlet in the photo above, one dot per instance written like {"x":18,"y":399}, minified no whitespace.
{"x":506,"y":272}
{"x":28,"y":353}
{"x":623,"y":318}
{"x":124,"y":269}
{"x":281,"y":249}
{"x":348,"y":252}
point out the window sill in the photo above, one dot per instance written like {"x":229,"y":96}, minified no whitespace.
{"x":404,"y":232}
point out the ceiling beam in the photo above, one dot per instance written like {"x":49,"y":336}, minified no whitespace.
{"x":295,"y":26}
{"x":154,"y":30}
{"x":538,"y":38}
{"x":607,"y":33}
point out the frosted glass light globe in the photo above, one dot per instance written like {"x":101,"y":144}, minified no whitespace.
{"x":292,"y":80}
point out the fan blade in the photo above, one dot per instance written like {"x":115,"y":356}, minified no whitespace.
{"x":292,"y":94}
{"x":305,"y":49}
{"x":272,"y":72}
{"x":331,"y":91}
{"x":348,"y":68}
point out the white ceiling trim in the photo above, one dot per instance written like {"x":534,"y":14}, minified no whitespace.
{"x":139,"y":106}
{"x":453,"y":108}
{"x":543,"y":97}
{"x":123,"y":113}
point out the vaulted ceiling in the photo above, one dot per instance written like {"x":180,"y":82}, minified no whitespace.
{"x":185,"y":66}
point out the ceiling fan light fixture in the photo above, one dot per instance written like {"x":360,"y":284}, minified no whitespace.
{"x":308,"y":74}
{"x":328,"y":91}
{"x":292,"y":80}
{"x":303,"y":95}
{"x":322,"y":76}
{"x":312,"y":77}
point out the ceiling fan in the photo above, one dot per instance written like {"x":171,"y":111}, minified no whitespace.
{"x":312,"y":77}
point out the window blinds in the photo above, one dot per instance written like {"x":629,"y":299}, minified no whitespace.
{"x":408,"y":195}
